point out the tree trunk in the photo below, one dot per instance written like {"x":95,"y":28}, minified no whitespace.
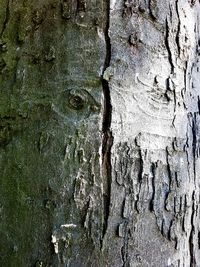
{"x":99,"y":133}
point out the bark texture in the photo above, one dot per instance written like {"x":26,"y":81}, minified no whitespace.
{"x":154,"y":85}
{"x":99,"y":133}
{"x":52,"y":55}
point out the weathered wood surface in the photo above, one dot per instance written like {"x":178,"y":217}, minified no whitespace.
{"x":99,"y":133}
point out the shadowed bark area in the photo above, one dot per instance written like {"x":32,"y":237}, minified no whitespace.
{"x":52,"y":54}
{"x":99,"y":133}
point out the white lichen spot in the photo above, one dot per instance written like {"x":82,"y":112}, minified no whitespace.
{"x":169,"y":262}
{"x":112,"y":4}
{"x":101,"y":34}
{"x":71,"y":225}
{"x":108,"y":74}
{"x":136,"y":77}
{"x":55,"y":243}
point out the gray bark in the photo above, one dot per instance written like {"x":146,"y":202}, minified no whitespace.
{"x":99,"y":133}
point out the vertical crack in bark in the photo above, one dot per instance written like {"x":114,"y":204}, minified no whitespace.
{"x":168,"y":47}
{"x":198,"y":240}
{"x":191,"y":238}
{"x":124,"y":249}
{"x":169,"y":177}
{"x":194,"y":143}
{"x":198,"y":103}
{"x":7,"y":15}
{"x":184,"y":213}
{"x":107,"y":134}
{"x":178,"y":29}
{"x":153,"y":172}
{"x":140,"y":176}
{"x":140,"y":171}
{"x":185,"y":76}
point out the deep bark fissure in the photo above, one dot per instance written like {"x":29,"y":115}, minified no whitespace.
{"x":185,"y":76}
{"x":124,"y":249}
{"x":139,"y":176}
{"x":170,"y":177}
{"x":191,"y":241}
{"x":198,"y":104}
{"x":168,"y":47}
{"x":107,"y":134}
{"x":178,"y":28}
{"x":140,"y":172}
{"x":153,"y":172}
{"x":198,"y":240}
{"x":194,"y":144}
{"x":107,"y":109}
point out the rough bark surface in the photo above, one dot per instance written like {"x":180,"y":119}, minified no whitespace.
{"x":154,"y":85}
{"x":52,"y":55}
{"x":99,"y":133}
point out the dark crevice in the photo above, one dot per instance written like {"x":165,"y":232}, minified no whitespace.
{"x":169,"y":169}
{"x":194,"y":144}
{"x":163,"y":227}
{"x":153,"y":172}
{"x":185,"y":75}
{"x":198,"y":240}
{"x":136,"y":203}
{"x":177,"y":179}
{"x":198,"y":103}
{"x":169,"y":176}
{"x":124,"y":249}
{"x":175,"y":208}
{"x":140,"y":172}
{"x":181,"y":204}
{"x":183,"y":223}
{"x":140,"y":177}
{"x":176,"y":242}
{"x":107,"y":139}
{"x":175,"y":98}
{"x":151,"y":8}
{"x":191,"y":238}
{"x":168,"y":89}
{"x":168,"y":47}
{"x":169,"y":231}
{"x":7,"y":15}
{"x":178,"y":29}
{"x":107,"y":109}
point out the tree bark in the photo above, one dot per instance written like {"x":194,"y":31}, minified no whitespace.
{"x":99,"y":133}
